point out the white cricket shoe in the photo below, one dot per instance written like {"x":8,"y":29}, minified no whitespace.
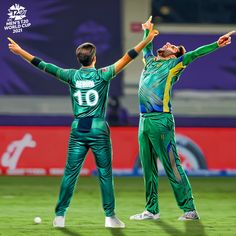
{"x":59,"y":222}
{"x":146,"y":215}
{"x":113,"y":222}
{"x":190,"y":215}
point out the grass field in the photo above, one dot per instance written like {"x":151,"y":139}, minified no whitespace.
{"x":23,"y":198}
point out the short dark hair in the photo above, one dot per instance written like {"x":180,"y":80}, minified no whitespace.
{"x":85,"y":53}
{"x":181,"y":51}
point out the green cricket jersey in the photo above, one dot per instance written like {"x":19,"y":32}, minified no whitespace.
{"x":158,"y":77}
{"x":88,"y":87}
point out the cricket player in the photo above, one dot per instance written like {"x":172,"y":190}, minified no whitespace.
{"x":157,"y":127}
{"x":89,"y":93}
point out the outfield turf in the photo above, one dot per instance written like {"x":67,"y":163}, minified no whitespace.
{"x":23,"y":198}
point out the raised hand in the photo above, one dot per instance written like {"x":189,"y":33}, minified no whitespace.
{"x":14,"y":47}
{"x":225,"y":39}
{"x":152,"y":33}
{"x":147,"y":24}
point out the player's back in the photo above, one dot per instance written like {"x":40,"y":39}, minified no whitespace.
{"x":89,"y":91}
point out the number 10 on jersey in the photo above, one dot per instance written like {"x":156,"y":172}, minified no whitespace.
{"x":90,"y":98}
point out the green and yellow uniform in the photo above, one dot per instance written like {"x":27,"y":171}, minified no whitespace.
{"x":157,"y":128}
{"x":89,"y":93}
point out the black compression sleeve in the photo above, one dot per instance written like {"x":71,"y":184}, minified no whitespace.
{"x":36,"y":61}
{"x":132,"y":53}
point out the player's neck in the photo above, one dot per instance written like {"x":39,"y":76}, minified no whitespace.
{"x":164,"y":58}
{"x":87,"y":67}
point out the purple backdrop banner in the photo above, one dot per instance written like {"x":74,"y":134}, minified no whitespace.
{"x":51,"y":30}
{"x":215,"y":71}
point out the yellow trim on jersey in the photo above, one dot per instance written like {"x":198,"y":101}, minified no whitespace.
{"x":172,"y":73}
{"x":144,"y":61}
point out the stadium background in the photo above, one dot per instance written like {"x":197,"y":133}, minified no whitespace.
{"x":35,"y":109}
{"x":204,"y":98}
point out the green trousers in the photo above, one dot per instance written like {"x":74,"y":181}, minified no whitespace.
{"x":98,"y":139}
{"x":157,"y":140}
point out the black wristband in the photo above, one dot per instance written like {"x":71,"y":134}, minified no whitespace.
{"x":36,"y":61}
{"x":132,"y":53}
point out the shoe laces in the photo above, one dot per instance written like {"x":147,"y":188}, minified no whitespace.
{"x":116,"y":219}
{"x":147,"y":213}
{"x":190,"y":214}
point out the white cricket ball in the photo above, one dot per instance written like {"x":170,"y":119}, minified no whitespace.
{"x":37,"y":220}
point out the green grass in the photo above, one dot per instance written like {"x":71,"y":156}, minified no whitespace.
{"x":23,"y":198}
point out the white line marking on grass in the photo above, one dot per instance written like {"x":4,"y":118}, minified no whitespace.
{"x":8,"y":196}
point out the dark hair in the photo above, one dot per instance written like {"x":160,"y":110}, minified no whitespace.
{"x":181,"y":51}
{"x":85,"y":53}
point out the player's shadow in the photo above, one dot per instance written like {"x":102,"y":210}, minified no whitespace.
{"x":193,"y":228}
{"x":117,"y":232}
{"x":69,"y":232}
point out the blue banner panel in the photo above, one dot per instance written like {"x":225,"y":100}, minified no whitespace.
{"x":52,"y":30}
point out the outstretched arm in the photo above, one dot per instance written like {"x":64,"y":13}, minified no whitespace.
{"x":148,"y":50}
{"x":16,"y":49}
{"x":206,"y":49}
{"x":47,"y":67}
{"x":129,"y":56}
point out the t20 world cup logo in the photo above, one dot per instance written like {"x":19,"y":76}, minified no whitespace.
{"x":17,"y":19}
{"x":17,"y":12}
